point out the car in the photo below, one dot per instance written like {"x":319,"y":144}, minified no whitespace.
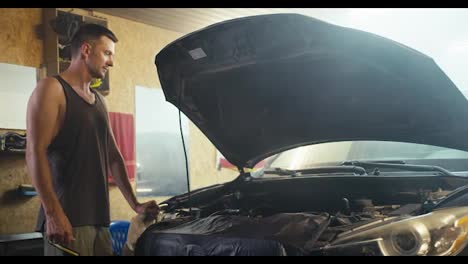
{"x":364,"y":141}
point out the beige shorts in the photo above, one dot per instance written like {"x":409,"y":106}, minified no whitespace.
{"x":89,"y":241}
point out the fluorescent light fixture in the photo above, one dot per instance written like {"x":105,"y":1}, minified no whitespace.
{"x":141,"y":190}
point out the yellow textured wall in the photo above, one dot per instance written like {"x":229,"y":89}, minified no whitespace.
{"x":18,"y":41}
{"x":18,"y":45}
{"x":134,"y":65}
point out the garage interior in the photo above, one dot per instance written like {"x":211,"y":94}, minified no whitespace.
{"x":28,"y":39}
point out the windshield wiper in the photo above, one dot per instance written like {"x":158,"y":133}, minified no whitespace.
{"x":328,"y":169}
{"x":398,"y":165}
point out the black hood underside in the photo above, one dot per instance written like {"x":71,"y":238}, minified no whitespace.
{"x":259,"y":85}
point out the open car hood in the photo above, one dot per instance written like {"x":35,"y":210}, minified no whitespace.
{"x":259,"y":85}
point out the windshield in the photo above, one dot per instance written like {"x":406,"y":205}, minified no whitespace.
{"x":336,"y":152}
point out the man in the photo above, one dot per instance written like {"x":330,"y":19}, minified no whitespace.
{"x":71,"y":149}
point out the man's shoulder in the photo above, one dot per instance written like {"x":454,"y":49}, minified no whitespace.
{"x":49,"y":88}
{"x":49,"y":82}
{"x":50,"y":85}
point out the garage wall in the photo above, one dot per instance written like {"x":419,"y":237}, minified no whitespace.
{"x":19,"y":45}
{"x":134,"y":65}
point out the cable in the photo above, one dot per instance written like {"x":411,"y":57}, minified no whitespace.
{"x":185,"y":154}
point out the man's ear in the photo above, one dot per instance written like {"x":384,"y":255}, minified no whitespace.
{"x":85,"y":50}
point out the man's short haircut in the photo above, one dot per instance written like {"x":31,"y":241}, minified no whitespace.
{"x":88,"y":32}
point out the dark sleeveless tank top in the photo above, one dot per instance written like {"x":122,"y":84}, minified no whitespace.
{"x":78,"y":158}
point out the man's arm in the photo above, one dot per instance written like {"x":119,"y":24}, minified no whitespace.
{"x":120,"y":176}
{"x":43,"y":121}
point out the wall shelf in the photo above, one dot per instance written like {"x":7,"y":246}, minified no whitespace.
{"x":10,"y":152}
{"x":13,"y":143}
{"x":27,"y":190}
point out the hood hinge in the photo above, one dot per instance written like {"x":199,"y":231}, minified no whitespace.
{"x":243,"y":175}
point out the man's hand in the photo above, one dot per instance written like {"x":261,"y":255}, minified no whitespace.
{"x":150,"y":209}
{"x":59,"y":229}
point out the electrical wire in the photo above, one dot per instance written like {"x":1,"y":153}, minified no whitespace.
{"x":185,"y":153}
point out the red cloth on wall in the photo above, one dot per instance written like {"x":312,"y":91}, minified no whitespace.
{"x":123,"y":127}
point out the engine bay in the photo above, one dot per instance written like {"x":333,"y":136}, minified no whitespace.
{"x":262,"y":217}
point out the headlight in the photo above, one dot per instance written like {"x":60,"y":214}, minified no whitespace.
{"x":440,"y":233}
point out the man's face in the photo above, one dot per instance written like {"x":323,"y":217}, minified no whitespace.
{"x":101,"y":57}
